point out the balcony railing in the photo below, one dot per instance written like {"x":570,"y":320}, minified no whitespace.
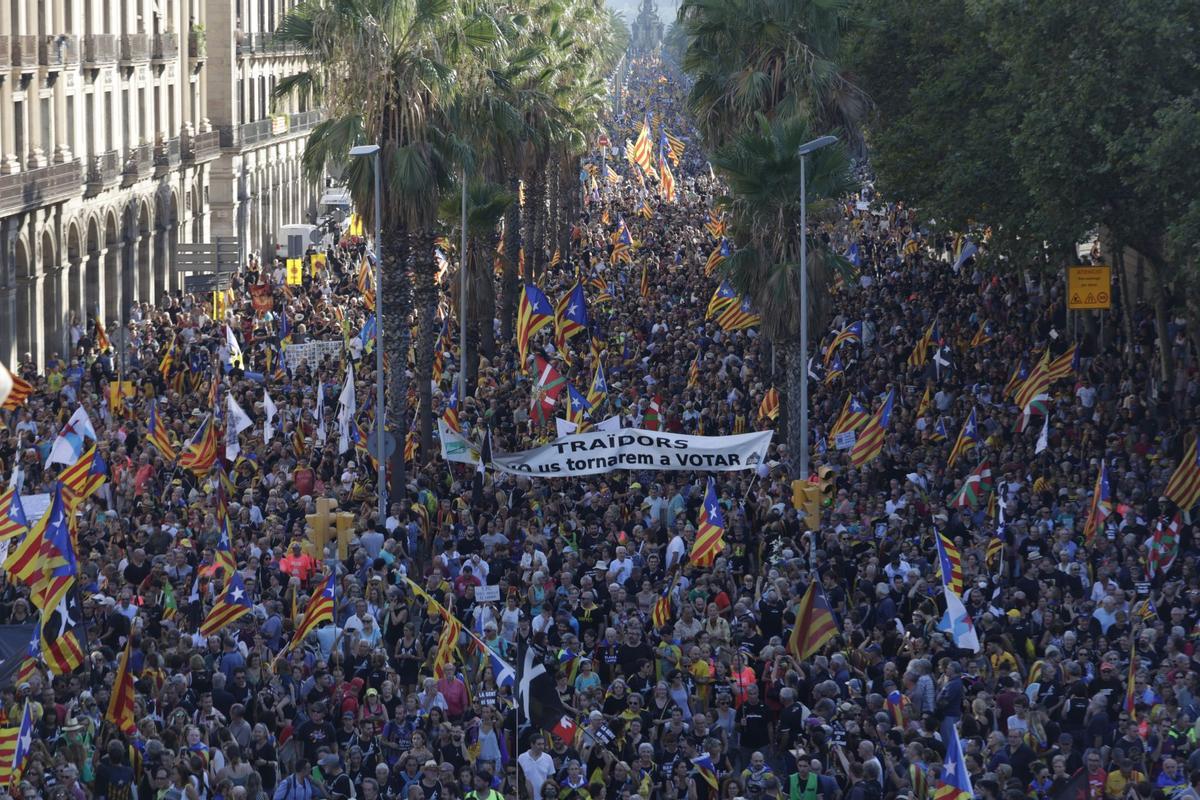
{"x":166,"y":46}
{"x":99,"y":48}
{"x":252,"y":134}
{"x":103,"y":171}
{"x":265,"y":44}
{"x":201,"y":146}
{"x":25,"y":51}
{"x":59,"y":51}
{"x":38,"y":187}
{"x":135,"y":47}
{"x":6,"y":46}
{"x":197,"y":46}
{"x":139,"y":161}
{"x":166,"y":155}
{"x":304,"y":120}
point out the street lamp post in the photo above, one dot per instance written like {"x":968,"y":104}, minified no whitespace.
{"x":805,"y":149}
{"x":462,"y":298}
{"x":363,"y":151}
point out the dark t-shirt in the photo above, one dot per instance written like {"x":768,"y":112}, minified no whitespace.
{"x":314,"y":737}
{"x":135,"y":574}
{"x":752,"y":722}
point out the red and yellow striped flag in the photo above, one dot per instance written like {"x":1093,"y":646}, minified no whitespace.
{"x":815,"y":624}
{"x":120,"y":703}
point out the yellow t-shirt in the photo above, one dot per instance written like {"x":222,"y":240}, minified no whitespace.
{"x":1003,"y":662}
{"x":700,"y":670}
{"x":1115,"y":785}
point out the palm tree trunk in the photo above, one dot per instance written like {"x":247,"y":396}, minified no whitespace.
{"x":536,"y":260}
{"x":509,"y":283}
{"x":797,"y":372}
{"x":551,"y":232}
{"x":425,"y":297}
{"x":573,"y":207}
{"x":529,"y":222}
{"x":396,"y":334}
{"x":487,"y":326}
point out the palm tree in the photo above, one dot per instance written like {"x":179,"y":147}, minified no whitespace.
{"x":486,"y":205}
{"x":777,"y":57}
{"x":762,"y":169}
{"x":557,"y":85}
{"x":383,"y":71}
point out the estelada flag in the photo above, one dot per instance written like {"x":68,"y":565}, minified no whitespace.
{"x":815,"y":623}
{"x":120,"y":703}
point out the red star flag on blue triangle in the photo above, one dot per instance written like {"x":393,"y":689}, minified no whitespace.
{"x":69,"y":444}
{"x":957,"y":622}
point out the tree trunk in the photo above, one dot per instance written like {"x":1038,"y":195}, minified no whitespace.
{"x":537,"y":259}
{"x":396,"y":335}
{"x":552,"y":196}
{"x":1127,"y":355}
{"x":529,"y":223}
{"x":573,"y":209}
{"x":797,"y":372}
{"x":487,"y":324}
{"x":509,"y":282}
{"x":1166,"y":357}
{"x":425,"y":298}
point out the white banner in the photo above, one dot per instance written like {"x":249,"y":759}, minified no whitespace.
{"x":455,"y":446}
{"x":564,"y":428}
{"x":597,"y":452}
{"x":314,"y":352}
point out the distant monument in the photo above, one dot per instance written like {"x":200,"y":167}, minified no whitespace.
{"x":647,"y":29}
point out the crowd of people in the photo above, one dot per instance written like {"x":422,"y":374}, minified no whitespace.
{"x":356,"y":709}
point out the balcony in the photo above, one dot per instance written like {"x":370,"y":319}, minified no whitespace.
{"x":139,"y":163}
{"x":264,"y":44}
{"x":25,"y":52}
{"x":197,"y":47}
{"x":99,"y":49}
{"x":166,"y":156}
{"x":135,"y":48}
{"x":166,"y":47}
{"x":304,"y":120}
{"x":200,"y":147}
{"x":265,"y":131}
{"x":103,"y":171}
{"x":59,"y":51}
{"x":38,"y":187}
{"x":5,"y":51}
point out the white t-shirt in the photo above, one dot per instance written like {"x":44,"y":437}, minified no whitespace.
{"x":537,"y":770}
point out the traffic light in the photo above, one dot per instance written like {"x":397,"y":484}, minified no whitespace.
{"x":825,"y":484}
{"x":806,"y":497}
{"x":344,"y":522}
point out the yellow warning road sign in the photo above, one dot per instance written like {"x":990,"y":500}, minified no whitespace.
{"x":1089,"y":287}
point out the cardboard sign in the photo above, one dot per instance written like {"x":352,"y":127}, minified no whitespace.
{"x":487,"y":594}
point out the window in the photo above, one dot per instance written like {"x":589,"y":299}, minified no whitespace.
{"x":110,"y":138}
{"x":19,"y":130}
{"x":70,"y":124}
{"x":47,"y":132}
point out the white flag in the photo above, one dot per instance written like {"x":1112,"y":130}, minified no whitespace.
{"x":347,"y":408}
{"x":69,"y":445}
{"x":957,"y":622}
{"x":269,"y":410}
{"x":6,"y":383}
{"x":320,"y":413}
{"x":236,"y":422}
{"x":235,"y":350}
{"x":1044,"y":437}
